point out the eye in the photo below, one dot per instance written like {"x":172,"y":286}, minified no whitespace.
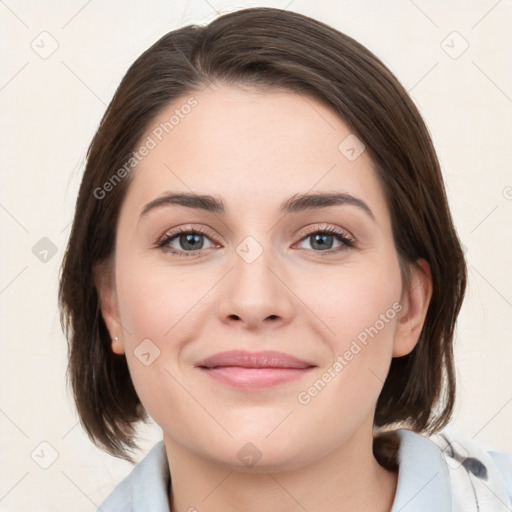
{"x":324,"y":237}
{"x":190,"y":242}
{"x":185,"y":242}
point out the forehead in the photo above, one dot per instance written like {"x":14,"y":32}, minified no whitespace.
{"x":253,"y":147}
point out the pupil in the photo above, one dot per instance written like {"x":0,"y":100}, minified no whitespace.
{"x":191,"y":241}
{"x":320,"y":240}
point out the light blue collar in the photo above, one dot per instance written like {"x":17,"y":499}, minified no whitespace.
{"x":145,"y":488}
{"x":423,"y":480}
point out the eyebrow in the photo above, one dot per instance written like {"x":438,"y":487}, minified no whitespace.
{"x":296,"y":203}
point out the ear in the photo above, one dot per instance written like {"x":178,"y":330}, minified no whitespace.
{"x":105,"y":285}
{"x":415,"y":301}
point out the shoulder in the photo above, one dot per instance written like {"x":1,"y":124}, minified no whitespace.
{"x":145,"y":487}
{"x":444,"y":472}
{"x":451,"y":472}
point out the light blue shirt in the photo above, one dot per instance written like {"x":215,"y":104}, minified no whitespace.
{"x":424,"y":481}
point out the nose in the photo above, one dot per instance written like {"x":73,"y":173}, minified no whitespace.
{"x":255,"y":293}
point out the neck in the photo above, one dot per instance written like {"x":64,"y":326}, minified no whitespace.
{"x":347,"y":479}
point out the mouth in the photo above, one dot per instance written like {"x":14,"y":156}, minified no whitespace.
{"x":254,"y":370}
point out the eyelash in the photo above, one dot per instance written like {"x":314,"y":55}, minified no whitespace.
{"x":346,"y":240}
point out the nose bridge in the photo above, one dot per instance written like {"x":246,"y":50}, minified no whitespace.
{"x":252,"y":275}
{"x":253,"y":290}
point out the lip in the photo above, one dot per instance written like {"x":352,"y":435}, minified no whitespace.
{"x":254,"y":370}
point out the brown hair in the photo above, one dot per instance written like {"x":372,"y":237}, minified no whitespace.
{"x":267,"y":47}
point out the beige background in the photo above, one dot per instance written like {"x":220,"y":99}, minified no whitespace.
{"x":51,"y":106}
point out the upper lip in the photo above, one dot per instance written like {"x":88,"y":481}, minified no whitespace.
{"x":262,"y":359}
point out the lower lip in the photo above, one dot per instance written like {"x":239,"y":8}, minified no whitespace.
{"x":254,"y":378}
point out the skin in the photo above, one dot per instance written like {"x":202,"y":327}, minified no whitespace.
{"x":257,"y":148}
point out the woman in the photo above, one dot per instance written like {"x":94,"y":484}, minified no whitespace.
{"x":263,"y":260}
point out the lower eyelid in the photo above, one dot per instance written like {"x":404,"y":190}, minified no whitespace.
{"x":345,"y":240}
{"x":168,"y":238}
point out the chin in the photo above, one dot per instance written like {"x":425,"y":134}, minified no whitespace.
{"x":263,"y":453}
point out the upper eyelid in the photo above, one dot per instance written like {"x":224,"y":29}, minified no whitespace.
{"x":303,"y":233}
{"x":187,"y":228}
{"x":324,"y":227}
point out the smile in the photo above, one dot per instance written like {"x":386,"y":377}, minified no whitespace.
{"x":254,"y":370}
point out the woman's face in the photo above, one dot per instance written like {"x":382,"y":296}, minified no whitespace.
{"x":276,"y":322}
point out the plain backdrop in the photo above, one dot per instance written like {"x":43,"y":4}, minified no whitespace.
{"x":61,"y":62}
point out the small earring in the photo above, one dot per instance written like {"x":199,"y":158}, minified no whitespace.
{"x":116,"y":339}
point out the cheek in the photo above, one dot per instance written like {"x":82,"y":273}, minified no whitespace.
{"x":162,"y":311}
{"x":168,"y":305}
{"x":339,"y":309}
{"x":361,"y":307}
{"x":158,"y":316}
{"x":356,"y":299}
{"x":153,"y":301}
{"x":364,"y":314}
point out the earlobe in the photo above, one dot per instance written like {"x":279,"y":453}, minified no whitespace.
{"x":415,"y":302}
{"x":117,"y":346}
{"x":105,"y":286}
